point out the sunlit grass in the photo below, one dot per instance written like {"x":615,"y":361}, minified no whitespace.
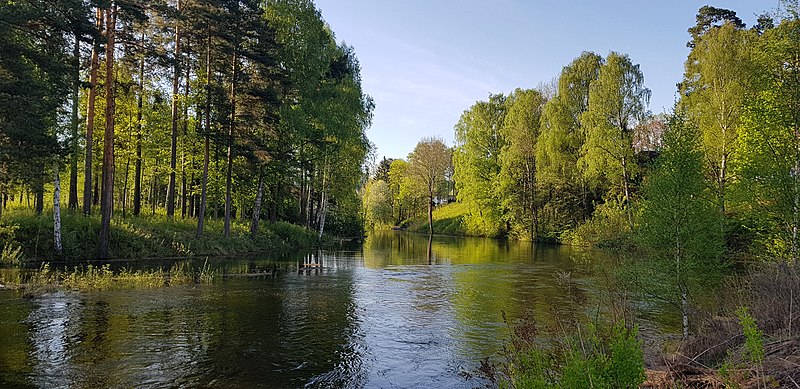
{"x":447,"y":220}
{"x":91,"y":277}
{"x":146,"y":236}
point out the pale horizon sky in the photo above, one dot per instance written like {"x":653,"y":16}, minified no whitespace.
{"x":425,"y":62}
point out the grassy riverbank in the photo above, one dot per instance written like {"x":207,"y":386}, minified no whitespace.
{"x":144,"y":237}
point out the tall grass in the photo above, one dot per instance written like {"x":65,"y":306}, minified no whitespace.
{"x":103,"y":277}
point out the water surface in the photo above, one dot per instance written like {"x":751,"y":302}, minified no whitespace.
{"x":399,"y":311}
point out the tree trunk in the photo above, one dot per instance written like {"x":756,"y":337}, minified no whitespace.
{"x":153,"y":187}
{"x":72,"y":201}
{"x":174,"y":144}
{"x":257,"y":207}
{"x":430,"y":213}
{"x":90,"y":112}
{"x":626,"y":187}
{"x":685,"y":312}
{"x":38,"y":202}
{"x":124,"y":196}
{"x":57,"y":211}
{"x":796,"y":195}
{"x":303,"y":188}
{"x":107,"y":200}
{"x":191,"y":209}
{"x":201,"y":210}
{"x":228,"y":178}
{"x":137,"y":179}
{"x":96,"y":194}
{"x":323,"y":211}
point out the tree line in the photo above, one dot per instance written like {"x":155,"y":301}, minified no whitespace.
{"x":572,"y":159}
{"x":189,"y":108}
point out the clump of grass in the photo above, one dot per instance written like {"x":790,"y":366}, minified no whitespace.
{"x":11,"y":254}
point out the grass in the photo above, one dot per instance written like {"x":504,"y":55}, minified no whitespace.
{"x":140,"y":237}
{"x":447,"y":220}
{"x":90,"y":277}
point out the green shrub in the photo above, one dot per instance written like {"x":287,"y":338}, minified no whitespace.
{"x":609,"y":226}
{"x":754,"y":338}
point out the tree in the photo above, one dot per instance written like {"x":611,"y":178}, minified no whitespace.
{"x":94,"y":66}
{"x":518,"y":171}
{"x":430,"y":163}
{"x":678,"y":222}
{"x":709,"y":18}
{"x":716,"y":81}
{"x":377,"y":202}
{"x":176,"y":78}
{"x":382,"y":171}
{"x":476,"y":163}
{"x":617,"y":104}
{"x":561,"y":139}
{"x":405,"y":197}
{"x":768,"y":157}
{"x":35,"y":78}
{"x":107,"y":194}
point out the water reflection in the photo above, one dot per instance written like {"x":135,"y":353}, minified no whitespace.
{"x":402,"y":310}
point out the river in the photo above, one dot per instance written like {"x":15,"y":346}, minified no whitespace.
{"x":398,"y":311}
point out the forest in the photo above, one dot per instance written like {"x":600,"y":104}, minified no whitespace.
{"x":239,"y":111}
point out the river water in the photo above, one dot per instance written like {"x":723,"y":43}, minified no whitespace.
{"x":398,"y":311}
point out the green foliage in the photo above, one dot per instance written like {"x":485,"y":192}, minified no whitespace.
{"x":448,"y":219}
{"x":518,"y":183}
{"x":753,"y":337}
{"x":766,"y":160}
{"x":476,"y":161}
{"x":678,"y":220}
{"x":559,"y":144}
{"x":608,"y":227}
{"x":717,"y":78}
{"x":678,"y":226}
{"x":617,"y":104}
{"x":377,"y":201}
{"x":589,"y":358}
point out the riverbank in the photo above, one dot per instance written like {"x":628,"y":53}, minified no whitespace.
{"x":152,"y":236}
{"x":746,"y":339}
{"x":450,"y":219}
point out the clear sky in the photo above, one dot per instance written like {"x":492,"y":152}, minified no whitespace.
{"x":425,"y":61}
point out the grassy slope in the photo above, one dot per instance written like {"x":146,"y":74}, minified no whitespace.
{"x":143,"y":237}
{"x":447,"y":220}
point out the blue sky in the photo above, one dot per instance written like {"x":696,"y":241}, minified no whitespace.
{"x":425,"y":61}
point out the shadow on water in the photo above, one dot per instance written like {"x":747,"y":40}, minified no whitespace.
{"x":401,"y":310}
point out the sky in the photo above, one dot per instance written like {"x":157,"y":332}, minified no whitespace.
{"x":426,"y":61}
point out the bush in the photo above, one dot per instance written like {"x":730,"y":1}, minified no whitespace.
{"x":608,"y":227}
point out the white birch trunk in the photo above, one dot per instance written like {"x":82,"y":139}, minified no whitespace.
{"x":57,"y":212}
{"x":257,"y":207}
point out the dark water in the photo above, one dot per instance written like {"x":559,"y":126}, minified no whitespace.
{"x":395,"y":312}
